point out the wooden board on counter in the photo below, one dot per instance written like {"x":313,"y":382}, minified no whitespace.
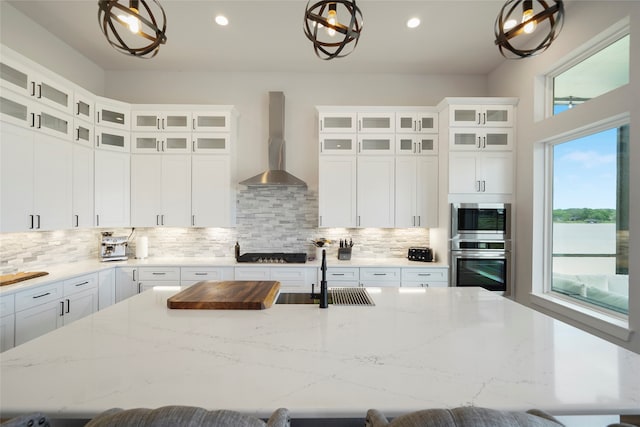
{"x":226,"y":295}
{"x":10,"y":279}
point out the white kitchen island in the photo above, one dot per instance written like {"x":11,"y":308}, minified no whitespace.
{"x":416,"y":348}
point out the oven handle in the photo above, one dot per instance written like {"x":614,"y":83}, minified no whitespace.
{"x":489,"y":253}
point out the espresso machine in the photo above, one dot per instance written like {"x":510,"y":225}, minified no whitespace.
{"x":113,"y":248}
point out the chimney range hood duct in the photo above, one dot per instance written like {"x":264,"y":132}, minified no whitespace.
{"x":276,"y":174}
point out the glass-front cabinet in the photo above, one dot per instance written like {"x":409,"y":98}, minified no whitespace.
{"x":15,"y":109}
{"x":481,"y":115}
{"x":376,"y":144}
{"x":112,"y":139}
{"x":409,"y":122}
{"x":500,"y":139}
{"x":211,"y":121}
{"x":417,"y":144}
{"x":158,"y":142}
{"x":210,"y":143}
{"x":338,"y":122}
{"x":84,"y":105}
{"x":160,"y":120}
{"x":376,"y":122}
{"x":337,"y":143}
{"x":83,"y":132}
{"x":112,"y":115}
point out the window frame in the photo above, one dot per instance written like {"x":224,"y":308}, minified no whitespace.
{"x":592,"y":47}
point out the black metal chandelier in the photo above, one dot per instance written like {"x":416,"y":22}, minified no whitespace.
{"x":133,"y":29}
{"x":519,"y":18}
{"x":334,"y":27}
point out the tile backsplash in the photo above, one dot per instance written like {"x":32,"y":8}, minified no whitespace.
{"x":268,"y":219}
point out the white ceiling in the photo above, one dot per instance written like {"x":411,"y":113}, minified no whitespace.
{"x":455,"y":36}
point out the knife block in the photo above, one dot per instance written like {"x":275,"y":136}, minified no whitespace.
{"x":344,"y":254}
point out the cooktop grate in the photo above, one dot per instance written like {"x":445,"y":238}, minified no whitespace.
{"x":350,"y":296}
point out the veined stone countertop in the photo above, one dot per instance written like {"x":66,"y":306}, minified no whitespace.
{"x":415,"y":349}
{"x":67,"y":271}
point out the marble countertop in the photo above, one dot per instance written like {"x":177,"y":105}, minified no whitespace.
{"x":415,"y":349}
{"x":67,"y":271}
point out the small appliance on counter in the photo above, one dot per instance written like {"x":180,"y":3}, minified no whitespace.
{"x":423,"y":254}
{"x":113,"y":248}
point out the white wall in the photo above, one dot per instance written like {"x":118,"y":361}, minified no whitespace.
{"x":33,"y":41}
{"x":584,"y":20}
{"x":248,"y":92}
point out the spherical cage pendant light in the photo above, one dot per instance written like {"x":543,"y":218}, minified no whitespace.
{"x":333,"y":26}
{"x":527,"y":21}
{"x":131,"y":27}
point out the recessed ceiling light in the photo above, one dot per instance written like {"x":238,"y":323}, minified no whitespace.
{"x":413,"y":22}
{"x":222,"y":20}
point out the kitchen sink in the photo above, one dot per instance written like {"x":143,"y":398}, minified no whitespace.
{"x":337,"y":296}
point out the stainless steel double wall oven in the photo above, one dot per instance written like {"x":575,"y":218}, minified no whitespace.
{"x":480,"y":246}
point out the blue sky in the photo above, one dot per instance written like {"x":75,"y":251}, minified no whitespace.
{"x":585,"y":172}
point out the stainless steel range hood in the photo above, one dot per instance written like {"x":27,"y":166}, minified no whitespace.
{"x":276,"y":174}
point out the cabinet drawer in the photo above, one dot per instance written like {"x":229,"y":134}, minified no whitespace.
{"x":80,"y":284}
{"x":337,"y":274}
{"x":424,"y":274}
{"x":40,"y":295}
{"x":206,"y":273}
{"x":301,"y":275}
{"x":379,"y":274}
{"x":160,"y":273}
{"x":7,"y":304}
{"x":252,"y":273}
{"x":425,"y":284}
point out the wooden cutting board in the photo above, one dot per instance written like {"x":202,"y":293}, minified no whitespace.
{"x":10,"y":279}
{"x":227,"y":295}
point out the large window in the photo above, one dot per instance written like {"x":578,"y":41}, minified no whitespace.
{"x":588,"y":211}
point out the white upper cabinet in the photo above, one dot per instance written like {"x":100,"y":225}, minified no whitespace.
{"x":82,"y":187}
{"x":166,"y":121}
{"x":481,"y":115}
{"x":211,"y":143}
{"x":25,"y":112}
{"x":338,"y":122}
{"x":338,"y":143}
{"x":416,"y":145}
{"x":159,"y":142}
{"x":112,"y":188}
{"x":112,"y":114}
{"x":376,"y":191}
{"x":83,"y":132}
{"x":211,"y":121}
{"x":475,"y":139}
{"x":25,"y":80}
{"x":16,"y":109}
{"x":112,"y":139}
{"x":416,"y":203}
{"x":84,"y":105}
{"x":337,"y":191}
{"x":414,"y":122}
{"x":480,"y":173}
{"x":381,"y":144}
{"x":376,"y":122}
{"x":212,"y":200}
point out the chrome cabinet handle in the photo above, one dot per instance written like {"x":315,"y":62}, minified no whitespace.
{"x":201,"y":274}
{"x":77,"y":220}
{"x":39,"y":91}
{"x":31,"y":222}
{"x":41,"y":295}
{"x":68,"y":305}
{"x":379,"y":274}
{"x":134,"y":274}
{"x":33,"y":88}
{"x":38,"y":216}
{"x":61,"y":308}
{"x":424,"y":274}
{"x":97,"y":220}
{"x":39,"y":121}
{"x":193,"y":220}
{"x":157,"y":219}
{"x":158,"y":273}
{"x":82,"y":284}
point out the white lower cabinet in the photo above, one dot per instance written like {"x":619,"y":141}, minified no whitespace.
{"x":192,"y":275}
{"x":338,"y":277}
{"x":46,"y":308}
{"x":292,"y":279}
{"x":7,"y":322}
{"x":126,"y":282}
{"x":151,"y":277}
{"x":380,"y":277}
{"x":106,"y":288}
{"x":425,"y":277}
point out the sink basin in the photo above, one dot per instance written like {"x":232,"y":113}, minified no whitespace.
{"x":297,"y":298}
{"x":337,"y":296}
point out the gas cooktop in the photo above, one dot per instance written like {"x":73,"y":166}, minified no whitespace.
{"x":273,"y":257}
